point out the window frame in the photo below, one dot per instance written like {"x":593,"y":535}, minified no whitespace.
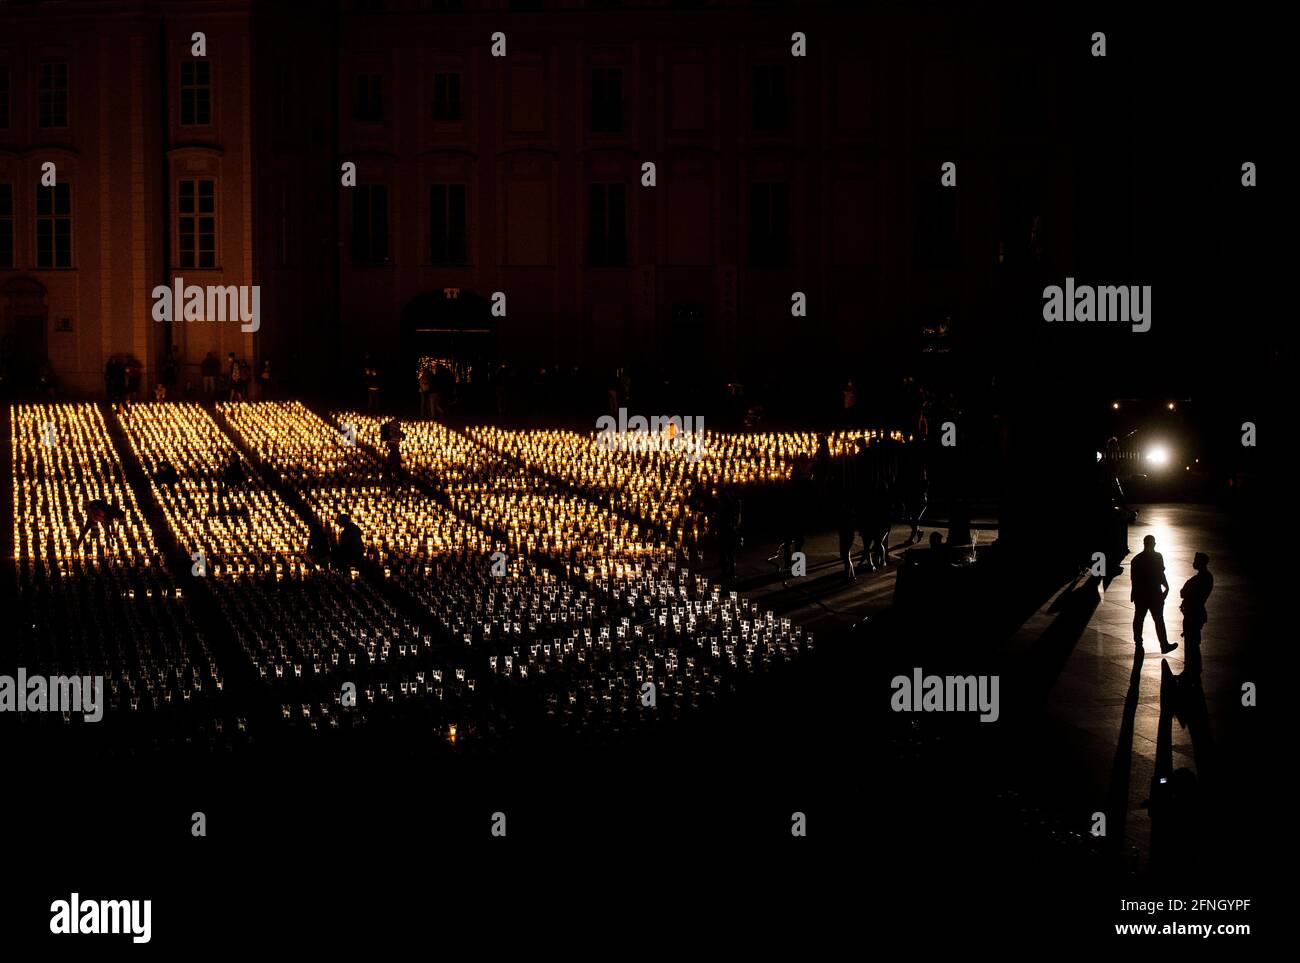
{"x":368,"y":192}
{"x":195,"y":87}
{"x":195,"y":229}
{"x":53,"y":219}
{"x":601,"y":109}
{"x":42,"y":92}
{"x":446,"y":116}
{"x":765,"y":102}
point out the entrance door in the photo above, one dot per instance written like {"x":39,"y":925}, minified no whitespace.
{"x":23,"y":321}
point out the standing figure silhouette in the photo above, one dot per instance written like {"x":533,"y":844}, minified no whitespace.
{"x":1149,"y":590}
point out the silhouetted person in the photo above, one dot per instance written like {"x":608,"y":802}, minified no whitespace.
{"x":318,"y":547}
{"x":959,"y":525}
{"x":727,"y":505}
{"x":871,"y":504}
{"x":167,"y":474}
{"x":850,"y":393}
{"x":821,"y":474}
{"x":821,"y":467}
{"x":847,"y":515}
{"x":115,"y":381}
{"x":168,"y":370}
{"x":800,"y":497}
{"x":132,"y":372}
{"x":934,"y":586}
{"x":1149,"y":590}
{"x":98,"y":513}
{"x":390,"y":433}
{"x":424,"y":380}
{"x":915,"y":490}
{"x":351,"y":548}
{"x":230,"y":477}
{"x":1196,"y":590}
{"x":370,"y":375}
{"x":210,"y":368}
{"x":444,"y":384}
{"x":232,"y":473}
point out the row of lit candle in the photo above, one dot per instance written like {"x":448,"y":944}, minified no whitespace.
{"x":64,"y":458}
{"x":239,"y":526}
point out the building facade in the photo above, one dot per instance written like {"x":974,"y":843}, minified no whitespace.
{"x":151,"y":157}
{"x":653,"y":181}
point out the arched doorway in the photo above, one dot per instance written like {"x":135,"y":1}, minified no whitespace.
{"x":450,"y":335}
{"x":452,"y":323}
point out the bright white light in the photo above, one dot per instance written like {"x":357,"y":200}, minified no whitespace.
{"x":1158,"y":456}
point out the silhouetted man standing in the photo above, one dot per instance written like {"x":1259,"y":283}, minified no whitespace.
{"x":1195,"y":592}
{"x":1149,"y":590}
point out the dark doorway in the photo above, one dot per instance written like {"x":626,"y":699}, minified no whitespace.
{"x":23,"y":345}
{"x":451,"y":323}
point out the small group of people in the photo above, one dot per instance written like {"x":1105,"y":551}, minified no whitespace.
{"x":121,"y":379}
{"x":722,"y":508}
{"x":123,"y":376}
{"x":1150,"y":588}
{"x":238,"y":381}
{"x":238,"y":377}
{"x":168,"y":373}
{"x":862,"y":492}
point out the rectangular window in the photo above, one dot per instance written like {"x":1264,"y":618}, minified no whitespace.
{"x":52,"y":96}
{"x":607,"y":100}
{"x":196,"y":92}
{"x":771,"y":111}
{"x":606,"y":225}
{"x":446,"y":97}
{"x":6,"y":225}
{"x":197,"y":223}
{"x":447,"y":235}
{"x":370,"y":98}
{"x":54,"y":226}
{"x":4,"y":96}
{"x":769,"y":224}
{"x":370,"y":224}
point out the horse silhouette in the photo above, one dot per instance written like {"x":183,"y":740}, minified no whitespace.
{"x":99,"y":513}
